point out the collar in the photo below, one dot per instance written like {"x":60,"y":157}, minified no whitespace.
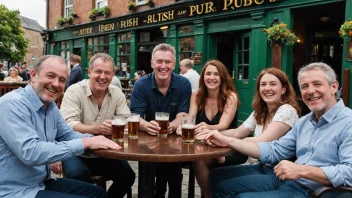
{"x":35,"y":100}
{"x":172,"y":84}
{"x":331,"y":113}
{"x":89,"y":91}
{"x":75,"y":65}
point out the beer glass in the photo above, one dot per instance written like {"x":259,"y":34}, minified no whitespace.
{"x":133,"y":126}
{"x":188,"y":125}
{"x":117,"y":127}
{"x":162,"y":118}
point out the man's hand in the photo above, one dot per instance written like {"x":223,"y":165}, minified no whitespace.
{"x":99,"y":142}
{"x":105,"y":128}
{"x":214,"y":137}
{"x":287,"y":170}
{"x":56,"y":167}
{"x":153,"y":128}
{"x":201,"y":133}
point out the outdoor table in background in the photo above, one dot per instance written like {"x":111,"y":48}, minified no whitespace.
{"x":148,"y":148}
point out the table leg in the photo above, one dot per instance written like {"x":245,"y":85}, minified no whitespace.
{"x":146,"y":180}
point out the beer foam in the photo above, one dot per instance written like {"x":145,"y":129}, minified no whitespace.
{"x":188,"y":126}
{"x":133,"y":119}
{"x":161,"y":118}
{"x":118,"y":122}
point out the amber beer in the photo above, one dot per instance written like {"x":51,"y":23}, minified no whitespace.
{"x":188,"y":133}
{"x":117,"y":129}
{"x":163,"y":120}
{"x":133,"y":126}
{"x":188,"y":125}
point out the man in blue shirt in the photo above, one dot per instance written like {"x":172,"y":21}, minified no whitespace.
{"x":33,"y":134}
{"x":321,"y":141}
{"x":162,"y":91}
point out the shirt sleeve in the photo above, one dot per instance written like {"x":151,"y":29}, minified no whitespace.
{"x":250,"y":123}
{"x":185,"y":98}
{"x":23,"y":140}
{"x":121,"y":106}
{"x":286,"y":114}
{"x":340,"y":174}
{"x":70,"y":107}
{"x":138,"y":100}
{"x":283,"y":148}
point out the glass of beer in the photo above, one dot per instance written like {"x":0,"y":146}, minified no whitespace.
{"x":162,"y":118}
{"x":188,"y":125}
{"x":117,"y":127}
{"x":133,"y":126}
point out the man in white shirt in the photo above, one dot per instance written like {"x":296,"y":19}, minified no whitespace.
{"x":186,"y":67}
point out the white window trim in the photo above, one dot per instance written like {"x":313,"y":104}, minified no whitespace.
{"x":67,"y":6}
{"x":98,"y":1}
{"x":143,"y":2}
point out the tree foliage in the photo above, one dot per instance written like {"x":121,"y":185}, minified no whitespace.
{"x":13,"y":44}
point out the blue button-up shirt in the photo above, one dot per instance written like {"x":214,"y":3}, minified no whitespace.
{"x":146,"y":98}
{"x":326,"y":144}
{"x":28,"y":134}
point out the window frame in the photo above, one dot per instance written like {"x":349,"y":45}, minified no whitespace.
{"x":141,"y":2}
{"x":100,"y":1}
{"x":67,"y":7}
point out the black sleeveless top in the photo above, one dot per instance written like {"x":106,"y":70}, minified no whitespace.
{"x":202,"y":117}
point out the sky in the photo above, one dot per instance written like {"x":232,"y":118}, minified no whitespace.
{"x":33,"y":9}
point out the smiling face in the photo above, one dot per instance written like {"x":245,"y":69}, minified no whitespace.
{"x":100,"y":75}
{"x":271,"y":90}
{"x":212,"y":79}
{"x":163,"y":64}
{"x":49,"y":81}
{"x":316,"y":91}
{"x":13,"y":72}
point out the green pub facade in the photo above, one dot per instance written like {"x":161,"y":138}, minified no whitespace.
{"x":228,"y":30}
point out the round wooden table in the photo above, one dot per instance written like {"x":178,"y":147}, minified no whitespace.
{"x":148,"y":148}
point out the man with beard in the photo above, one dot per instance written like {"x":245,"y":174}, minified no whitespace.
{"x":88,"y":107}
{"x":76,"y":74}
{"x":321,"y":141}
{"x":162,"y":91}
{"x":33,"y":134}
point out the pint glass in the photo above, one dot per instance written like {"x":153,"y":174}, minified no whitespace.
{"x":133,"y":126}
{"x":188,"y":125}
{"x":117,"y":128}
{"x":162,"y":119}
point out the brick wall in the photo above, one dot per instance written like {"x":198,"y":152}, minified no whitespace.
{"x":82,"y":7}
{"x":35,"y":47}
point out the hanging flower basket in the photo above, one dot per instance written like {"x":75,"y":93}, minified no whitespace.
{"x":279,"y":34}
{"x":346,"y":29}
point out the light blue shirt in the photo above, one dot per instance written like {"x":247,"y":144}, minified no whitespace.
{"x":31,"y":137}
{"x":326,"y":144}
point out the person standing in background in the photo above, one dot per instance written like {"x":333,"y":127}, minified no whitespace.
{"x":76,"y":74}
{"x":186,"y":68}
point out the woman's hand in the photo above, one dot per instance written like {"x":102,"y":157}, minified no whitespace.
{"x":214,"y":137}
{"x":201,"y":126}
{"x":179,"y":130}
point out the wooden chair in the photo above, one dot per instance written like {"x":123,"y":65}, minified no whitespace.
{"x":319,"y":192}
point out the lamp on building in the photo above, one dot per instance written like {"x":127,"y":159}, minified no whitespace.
{"x":164,"y":30}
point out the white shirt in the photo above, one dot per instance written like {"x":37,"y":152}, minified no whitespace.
{"x":193,"y":78}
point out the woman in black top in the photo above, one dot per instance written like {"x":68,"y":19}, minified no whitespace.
{"x":214,"y":104}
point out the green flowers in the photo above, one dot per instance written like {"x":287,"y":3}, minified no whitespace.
{"x":346,"y":29}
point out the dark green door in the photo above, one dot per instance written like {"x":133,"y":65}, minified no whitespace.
{"x":242,"y":74}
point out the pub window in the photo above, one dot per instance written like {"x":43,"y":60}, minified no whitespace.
{"x":186,"y":47}
{"x":123,"y":51}
{"x":64,"y":51}
{"x":243,"y":58}
{"x":68,"y":7}
{"x":101,"y":3}
{"x":98,"y":44}
{"x":186,"y":30}
{"x":141,"y":2}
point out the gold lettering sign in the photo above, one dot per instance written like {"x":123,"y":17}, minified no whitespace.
{"x":85,"y":31}
{"x":161,"y":16}
{"x":230,"y":4}
{"x":106,"y":27}
{"x":129,"y":23}
{"x":203,"y":8}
